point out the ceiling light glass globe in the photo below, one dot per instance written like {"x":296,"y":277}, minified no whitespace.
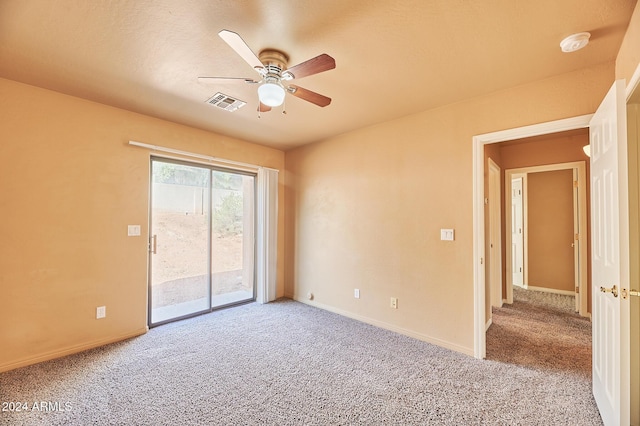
{"x":271,"y":94}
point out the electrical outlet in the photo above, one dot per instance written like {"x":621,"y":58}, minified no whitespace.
{"x":394,"y":302}
{"x":356,"y":293}
{"x":101,"y":312}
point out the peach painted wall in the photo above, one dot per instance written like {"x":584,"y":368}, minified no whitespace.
{"x":69,"y":186}
{"x":628,"y":57}
{"x":633,"y":135}
{"x":365,"y":209}
{"x":564,"y":147}
{"x":627,"y":65}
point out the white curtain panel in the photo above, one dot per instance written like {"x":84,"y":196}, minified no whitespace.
{"x":267,"y":235}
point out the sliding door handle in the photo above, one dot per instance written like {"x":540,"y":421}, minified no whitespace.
{"x":153,"y":244}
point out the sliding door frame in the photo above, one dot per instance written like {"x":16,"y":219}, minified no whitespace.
{"x":210,"y":168}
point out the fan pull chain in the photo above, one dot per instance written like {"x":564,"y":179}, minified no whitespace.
{"x":258,"y":105}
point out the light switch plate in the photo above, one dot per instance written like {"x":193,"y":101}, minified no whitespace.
{"x":446,"y":235}
{"x":394,"y":303}
{"x":101,"y":312}
{"x":133,"y":230}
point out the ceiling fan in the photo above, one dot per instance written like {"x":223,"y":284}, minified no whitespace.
{"x":271,"y":64}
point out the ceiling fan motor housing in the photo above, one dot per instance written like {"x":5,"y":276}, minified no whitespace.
{"x":274,"y":61}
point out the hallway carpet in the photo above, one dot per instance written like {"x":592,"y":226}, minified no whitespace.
{"x":542,"y":331}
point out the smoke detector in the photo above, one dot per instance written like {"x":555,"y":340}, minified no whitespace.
{"x":225,"y":102}
{"x":574,"y":42}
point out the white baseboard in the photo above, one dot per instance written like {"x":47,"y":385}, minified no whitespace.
{"x":387,"y":326}
{"x":69,"y":350}
{"x":486,"y":327}
{"x":551,"y":290}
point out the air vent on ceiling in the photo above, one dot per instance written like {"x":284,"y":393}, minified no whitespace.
{"x":225,"y":102}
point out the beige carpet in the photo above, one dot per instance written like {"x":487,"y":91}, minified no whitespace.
{"x":287,"y":363}
{"x":541,"y":330}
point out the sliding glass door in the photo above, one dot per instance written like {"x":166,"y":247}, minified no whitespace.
{"x":232,"y":254}
{"x":202,"y":239}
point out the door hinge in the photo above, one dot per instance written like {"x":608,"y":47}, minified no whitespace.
{"x":575,"y":183}
{"x":576,"y":237}
{"x":577,"y":289}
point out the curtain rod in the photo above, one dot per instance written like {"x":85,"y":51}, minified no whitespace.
{"x":195,"y":155}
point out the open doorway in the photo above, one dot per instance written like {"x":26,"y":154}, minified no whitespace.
{"x":541,"y":215}
{"x":545,"y":158}
{"x":548,"y":219}
{"x":485,"y":146}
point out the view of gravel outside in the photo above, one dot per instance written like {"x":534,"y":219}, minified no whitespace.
{"x":180,"y":264}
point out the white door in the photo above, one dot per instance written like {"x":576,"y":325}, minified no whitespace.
{"x":495,"y":235}
{"x":517,"y":237}
{"x":576,"y":240}
{"x":610,"y":258}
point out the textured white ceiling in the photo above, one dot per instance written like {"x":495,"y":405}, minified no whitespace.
{"x":394,"y":57}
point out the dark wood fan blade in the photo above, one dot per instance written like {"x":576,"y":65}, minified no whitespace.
{"x":308,"y":95}
{"x":315,"y":65}
{"x":220,"y":80}
{"x":263,"y":108}
{"x":237,"y":43}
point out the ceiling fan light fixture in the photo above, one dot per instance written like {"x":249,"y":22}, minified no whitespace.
{"x":271,"y":94}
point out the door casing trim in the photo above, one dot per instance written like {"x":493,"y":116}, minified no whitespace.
{"x":479,"y":256}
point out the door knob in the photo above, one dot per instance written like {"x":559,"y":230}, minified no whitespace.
{"x":613,"y":290}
